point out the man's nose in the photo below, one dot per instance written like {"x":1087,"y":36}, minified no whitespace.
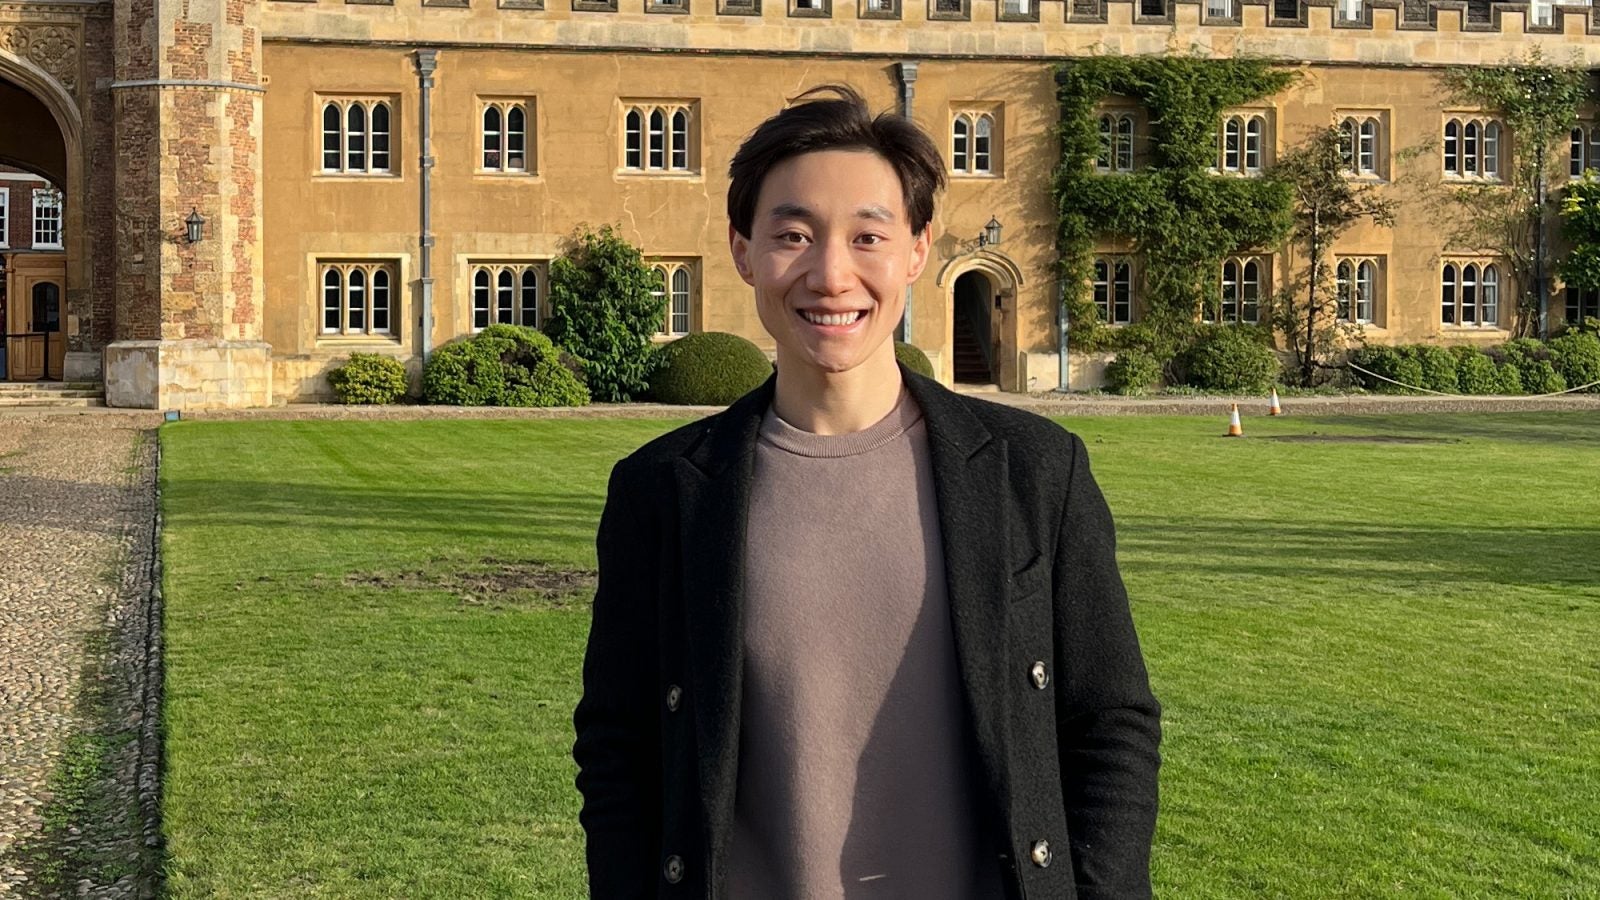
{"x":832,"y":270}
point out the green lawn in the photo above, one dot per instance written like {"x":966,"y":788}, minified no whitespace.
{"x":1380,"y":661}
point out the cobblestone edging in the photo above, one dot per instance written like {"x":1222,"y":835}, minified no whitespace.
{"x":81,"y":672}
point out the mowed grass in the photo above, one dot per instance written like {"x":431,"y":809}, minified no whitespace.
{"x":1379,"y":661}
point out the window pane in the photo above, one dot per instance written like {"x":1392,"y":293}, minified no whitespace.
{"x":1469,"y":295}
{"x":1575,"y":152}
{"x":1125,"y":143}
{"x":1368,"y":158}
{"x":658,"y":140}
{"x":380,"y":137}
{"x":1469,"y":149}
{"x":1102,"y":289}
{"x":1252,"y":291}
{"x":980,"y":150}
{"x":330,"y":137}
{"x":1341,"y":288}
{"x":1447,"y":301}
{"x":958,"y":156}
{"x":506,"y":285}
{"x":480,"y":300}
{"x":1452,"y":157}
{"x":358,"y":300}
{"x":1252,"y":144}
{"x":1491,"y":296}
{"x":332,"y":293}
{"x":491,"y":138}
{"x":1347,"y":143}
{"x":1103,"y":161}
{"x":1364,"y":284}
{"x":659,"y":292}
{"x":1230,"y":291}
{"x":355,"y":138}
{"x":380,"y":301}
{"x":1123,"y":311}
{"x":680,"y":140}
{"x":1491,"y":150}
{"x":680,"y":301}
{"x":530,"y":298}
{"x":633,"y":157}
{"x":516,"y":139}
{"x":1230,"y":145}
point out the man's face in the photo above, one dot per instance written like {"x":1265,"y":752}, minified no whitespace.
{"x":830,"y":254}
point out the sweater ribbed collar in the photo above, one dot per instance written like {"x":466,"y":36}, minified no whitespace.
{"x":780,"y":434}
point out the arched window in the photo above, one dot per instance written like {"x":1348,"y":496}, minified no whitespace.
{"x":1347,"y":143}
{"x":1344,"y":280}
{"x":505,"y":291}
{"x":332,"y":301}
{"x":480,"y":300}
{"x":1122,"y":293}
{"x":1229,"y":306}
{"x":633,"y":141}
{"x":530,"y":297}
{"x":517,"y":139}
{"x":1452,"y":147}
{"x":491,"y":137}
{"x":1576,"y":150}
{"x":1367,"y":149}
{"x":658,"y":140}
{"x":680,"y":301}
{"x":357,"y":317}
{"x":961,"y":136}
{"x":980,"y":144}
{"x":355,"y":146}
{"x":1231,"y":133}
{"x":680,"y":140}
{"x":1469,"y":294}
{"x":1251,"y":285}
{"x":1125,"y":143}
{"x":1489,"y":305}
{"x":1253,"y":133}
{"x":380,"y":137}
{"x":1366,"y":280}
{"x":331,"y":137}
{"x":380,"y":301}
{"x":1469,"y":149}
{"x":1447,"y":299}
{"x":659,"y":292}
{"x":1102,"y":288}
{"x":1107,"y":143}
{"x":1491,"y":150}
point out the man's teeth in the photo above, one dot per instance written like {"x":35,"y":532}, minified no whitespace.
{"x":834,"y":319}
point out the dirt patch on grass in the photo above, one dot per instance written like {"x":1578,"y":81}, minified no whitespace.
{"x":1361,"y":439}
{"x":491,"y":582}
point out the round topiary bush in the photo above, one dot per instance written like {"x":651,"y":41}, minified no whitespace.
{"x":1475,"y":372}
{"x":1231,"y":359}
{"x":369,"y":378}
{"x":1438,"y":369}
{"x":1133,"y":372}
{"x":708,"y":368}
{"x":1577,"y":357}
{"x":503,"y":365}
{"x":1531,"y":359}
{"x":913,"y":358}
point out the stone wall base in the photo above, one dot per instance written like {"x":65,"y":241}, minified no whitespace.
{"x":303,"y":377}
{"x":81,"y":365}
{"x":188,"y":374}
{"x":1086,"y":371}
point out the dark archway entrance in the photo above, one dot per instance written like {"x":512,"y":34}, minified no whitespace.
{"x":973,"y":333}
{"x":33,"y":266}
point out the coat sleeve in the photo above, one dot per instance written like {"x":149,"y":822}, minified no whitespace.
{"x":618,"y":731}
{"x":1109,"y":724}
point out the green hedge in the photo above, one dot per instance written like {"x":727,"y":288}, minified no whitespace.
{"x":1475,"y":371}
{"x":369,"y":378}
{"x":1531,"y":359}
{"x":1576,"y":356}
{"x":1133,"y":372}
{"x":913,"y":358}
{"x":1230,"y":359}
{"x":708,"y":368}
{"x":503,"y":365}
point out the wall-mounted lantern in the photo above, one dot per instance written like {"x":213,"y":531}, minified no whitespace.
{"x":196,"y":224}
{"x":991,"y":233}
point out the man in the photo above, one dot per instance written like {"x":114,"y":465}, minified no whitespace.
{"x":858,"y":636}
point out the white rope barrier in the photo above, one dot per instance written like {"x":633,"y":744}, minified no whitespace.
{"x":1445,"y":394}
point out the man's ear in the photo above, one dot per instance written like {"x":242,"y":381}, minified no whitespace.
{"x":920,"y":249}
{"x":739,"y":246}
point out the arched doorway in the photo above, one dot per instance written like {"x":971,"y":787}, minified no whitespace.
{"x":974,"y":349}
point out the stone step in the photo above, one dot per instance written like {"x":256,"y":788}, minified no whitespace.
{"x":8,"y":402}
{"x":11,"y":387}
{"x":52,"y":395}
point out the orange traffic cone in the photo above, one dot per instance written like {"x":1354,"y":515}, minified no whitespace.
{"x":1234,"y":428}
{"x":1276,"y":409}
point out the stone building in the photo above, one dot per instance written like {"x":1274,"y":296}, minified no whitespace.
{"x":250,"y":190}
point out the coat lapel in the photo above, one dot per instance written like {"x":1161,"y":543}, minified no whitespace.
{"x":969,"y":466}
{"x":714,"y":479}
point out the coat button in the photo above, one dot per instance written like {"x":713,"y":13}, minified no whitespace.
{"x":1041,"y":854}
{"x":674,"y":697}
{"x":673,"y":870}
{"x":1040,"y":675}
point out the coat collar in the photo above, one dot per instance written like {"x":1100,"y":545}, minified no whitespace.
{"x":714,"y":480}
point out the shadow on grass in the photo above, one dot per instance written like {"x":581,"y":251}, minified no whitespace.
{"x":1567,"y":555}
{"x":1534,"y":427}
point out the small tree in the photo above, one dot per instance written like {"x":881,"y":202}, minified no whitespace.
{"x":1539,"y":103}
{"x":1580,"y":224}
{"x":1327,"y":204}
{"x":605,"y":304}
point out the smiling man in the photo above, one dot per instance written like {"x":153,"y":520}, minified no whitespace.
{"x":858,"y":636}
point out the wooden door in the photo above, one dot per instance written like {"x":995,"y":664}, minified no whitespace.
{"x":35,"y":342}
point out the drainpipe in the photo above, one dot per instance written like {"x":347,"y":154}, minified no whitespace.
{"x":427,"y":61}
{"x":1064,"y":376}
{"x":906,"y":73}
{"x":1541,"y":288}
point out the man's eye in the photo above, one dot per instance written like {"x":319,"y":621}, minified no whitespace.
{"x":791,"y":237}
{"x":871,"y":238}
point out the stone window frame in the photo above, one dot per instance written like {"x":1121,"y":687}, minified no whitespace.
{"x":5,"y":218}
{"x":1453,"y":292}
{"x":48,"y":219}
{"x":751,"y":8}
{"x":607,"y":6}
{"x":1362,"y":9}
{"x":1348,"y":271}
{"x":822,"y":10}
{"x":1580,"y":303}
{"x":1241,"y":282}
{"x":1244,"y":118}
{"x":369,"y":135}
{"x":888,"y":9}
{"x":1118,"y":146}
{"x":963,"y":14}
{"x":1167,"y":15}
{"x":974,"y":115}
{"x":370,"y":269}
{"x":1221,"y":12}
{"x":667,"y":7}
{"x":495,"y":270}
{"x":673,"y":139}
{"x":1276,"y":19}
{"x":1467,"y":140}
{"x":504,"y":106}
{"x":534,"y":5}
{"x":1583,"y":149}
{"x":1030,"y":14}
{"x":1352,"y":124}
{"x":676,"y":271}
{"x":1108,"y":284}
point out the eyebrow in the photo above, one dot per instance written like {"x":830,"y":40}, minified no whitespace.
{"x":796,"y":211}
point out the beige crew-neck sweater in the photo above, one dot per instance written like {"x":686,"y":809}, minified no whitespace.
{"x":856,"y":777}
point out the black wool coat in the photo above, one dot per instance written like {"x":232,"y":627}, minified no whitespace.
{"x":1057,"y":699}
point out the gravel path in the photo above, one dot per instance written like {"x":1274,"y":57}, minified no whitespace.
{"x":77,"y":525}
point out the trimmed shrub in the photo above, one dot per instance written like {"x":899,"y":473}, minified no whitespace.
{"x":1230,"y":359}
{"x":1475,"y":371}
{"x":708,"y":368}
{"x":503,"y":365}
{"x":913,"y":358}
{"x":1577,"y":357}
{"x":1133,"y":372}
{"x":1531,"y":359}
{"x":1398,"y":363}
{"x":1438,"y":369}
{"x":369,"y":378}
{"x":606,"y":304}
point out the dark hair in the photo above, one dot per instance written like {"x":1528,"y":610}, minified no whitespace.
{"x":841,"y":122}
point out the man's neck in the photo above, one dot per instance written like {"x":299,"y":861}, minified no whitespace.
{"x":838,"y":403}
